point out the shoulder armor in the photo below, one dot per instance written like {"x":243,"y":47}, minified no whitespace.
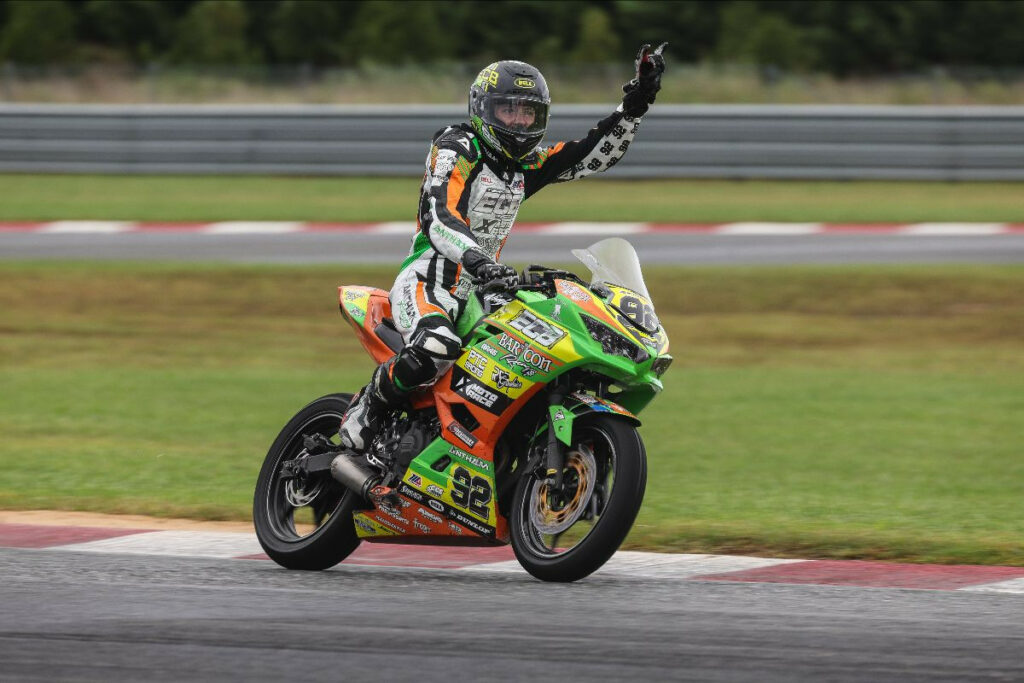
{"x":459,"y":140}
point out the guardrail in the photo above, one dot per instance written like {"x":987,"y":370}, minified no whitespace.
{"x":675,"y":141}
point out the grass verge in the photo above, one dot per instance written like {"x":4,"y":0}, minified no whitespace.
{"x":855,"y":412}
{"x":210,"y":198}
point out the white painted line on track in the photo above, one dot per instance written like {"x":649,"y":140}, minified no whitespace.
{"x":1010,"y":586}
{"x":581,"y":228}
{"x":87,"y":227}
{"x":394,"y":228}
{"x":951,"y":229}
{"x":627,"y":563}
{"x":176,"y":543}
{"x":253,"y":227}
{"x":624,"y":564}
{"x":769,"y":229}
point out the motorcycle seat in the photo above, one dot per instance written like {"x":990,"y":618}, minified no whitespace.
{"x":389,"y":334}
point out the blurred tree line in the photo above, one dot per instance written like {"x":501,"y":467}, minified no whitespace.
{"x":840,"y":37}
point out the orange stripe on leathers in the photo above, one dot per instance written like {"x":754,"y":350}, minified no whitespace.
{"x":456,"y":186}
{"x":425,"y":306}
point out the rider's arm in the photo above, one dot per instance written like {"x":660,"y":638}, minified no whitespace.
{"x":604,"y":145}
{"x":608,"y":141}
{"x":449,"y":166}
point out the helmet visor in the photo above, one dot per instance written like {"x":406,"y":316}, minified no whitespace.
{"x":518,"y":114}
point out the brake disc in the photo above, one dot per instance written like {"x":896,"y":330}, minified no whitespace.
{"x":295,"y":491}
{"x":548,"y":520}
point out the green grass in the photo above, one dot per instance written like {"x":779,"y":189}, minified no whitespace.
{"x":203,"y":198}
{"x":817,"y":412}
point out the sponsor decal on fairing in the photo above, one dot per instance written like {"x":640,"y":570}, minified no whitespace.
{"x":462,"y":434}
{"x":476,"y":462}
{"x":427,"y":514}
{"x":476,"y":363}
{"x":503,"y":380}
{"x":541,"y":332}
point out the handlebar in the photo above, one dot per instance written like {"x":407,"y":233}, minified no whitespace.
{"x":534,"y":278}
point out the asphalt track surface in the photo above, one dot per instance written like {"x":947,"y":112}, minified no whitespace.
{"x":90,"y":617}
{"x":678,"y":249}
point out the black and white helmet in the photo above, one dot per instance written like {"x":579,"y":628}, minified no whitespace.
{"x":508,"y":107}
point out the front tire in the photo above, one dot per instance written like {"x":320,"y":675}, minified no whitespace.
{"x":567,"y":535}
{"x":305,"y":523}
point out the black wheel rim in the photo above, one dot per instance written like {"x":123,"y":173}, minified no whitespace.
{"x":541,"y":515}
{"x":320,"y":495}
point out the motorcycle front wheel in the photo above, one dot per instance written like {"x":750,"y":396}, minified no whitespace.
{"x":305,"y":522}
{"x":566,"y":534}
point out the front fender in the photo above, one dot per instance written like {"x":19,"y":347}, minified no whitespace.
{"x":578,"y":404}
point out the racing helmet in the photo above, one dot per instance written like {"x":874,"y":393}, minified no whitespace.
{"x":508,"y":108}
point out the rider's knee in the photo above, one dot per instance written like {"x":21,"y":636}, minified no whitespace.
{"x":427,"y":356}
{"x":439,"y":341}
{"x":412,"y":368}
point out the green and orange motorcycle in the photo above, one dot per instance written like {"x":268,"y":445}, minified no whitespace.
{"x":529,"y":439}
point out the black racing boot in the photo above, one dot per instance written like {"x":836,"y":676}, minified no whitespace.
{"x":362,"y":419}
{"x":358,"y":427}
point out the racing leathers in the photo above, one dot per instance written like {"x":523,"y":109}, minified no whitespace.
{"x":469,"y":199}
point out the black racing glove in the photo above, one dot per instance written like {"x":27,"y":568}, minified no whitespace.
{"x":641,"y":91}
{"x":489,"y":274}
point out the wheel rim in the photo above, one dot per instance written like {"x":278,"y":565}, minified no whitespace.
{"x":555,"y":523}
{"x":298,"y":509}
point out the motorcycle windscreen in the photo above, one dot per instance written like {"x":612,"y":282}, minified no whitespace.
{"x":613,"y":261}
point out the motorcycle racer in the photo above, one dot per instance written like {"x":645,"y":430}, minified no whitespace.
{"x":477,"y":175}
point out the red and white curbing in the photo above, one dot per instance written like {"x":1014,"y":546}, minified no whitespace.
{"x":624,"y":565}
{"x":223,"y":228}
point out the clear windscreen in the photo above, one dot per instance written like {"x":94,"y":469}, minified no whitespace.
{"x":519,"y":114}
{"x":613,"y":261}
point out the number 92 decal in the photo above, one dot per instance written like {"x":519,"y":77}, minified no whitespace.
{"x":471,"y":492}
{"x":640,"y":312}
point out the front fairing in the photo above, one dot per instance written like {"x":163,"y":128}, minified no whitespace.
{"x":608,"y":330}
{"x":542,"y":337}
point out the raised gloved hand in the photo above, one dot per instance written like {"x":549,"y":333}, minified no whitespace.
{"x":491,"y":276}
{"x":641,"y":91}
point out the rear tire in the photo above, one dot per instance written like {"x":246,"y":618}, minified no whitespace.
{"x":607,"y":475}
{"x":333,"y":536}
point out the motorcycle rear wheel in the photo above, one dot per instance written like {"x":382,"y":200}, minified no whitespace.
{"x":305,"y":524}
{"x":605,"y":478}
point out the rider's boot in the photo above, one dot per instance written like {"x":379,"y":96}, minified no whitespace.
{"x":430,"y":353}
{"x":359,"y":425}
{"x":362,"y":419}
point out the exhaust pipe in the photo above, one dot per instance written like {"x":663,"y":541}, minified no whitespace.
{"x":356,"y":476}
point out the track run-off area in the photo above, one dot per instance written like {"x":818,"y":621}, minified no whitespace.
{"x":117,"y":603}
{"x":656,"y":243}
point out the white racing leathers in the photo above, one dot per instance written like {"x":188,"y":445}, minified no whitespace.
{"x":468,"y":200}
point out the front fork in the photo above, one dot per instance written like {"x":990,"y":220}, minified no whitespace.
{"x":559,"y":436}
